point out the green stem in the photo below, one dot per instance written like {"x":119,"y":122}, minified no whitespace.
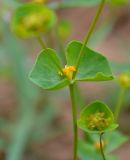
{"x":101,"y":147}
{"x":119,"y":102}
{"x":42,"y":43}
{"x":80,"y":101}
{"x":74,"y":114}
{"x":89,"y":33}
{"x":72,"y":92}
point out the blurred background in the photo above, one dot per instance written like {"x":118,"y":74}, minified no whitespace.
{"x":36,"y":124}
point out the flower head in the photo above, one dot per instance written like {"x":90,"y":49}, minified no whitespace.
{"x":68,"y":71}
{"x":29,"y":20}
{"x":97,"y":118}
{"x":97,"y":121}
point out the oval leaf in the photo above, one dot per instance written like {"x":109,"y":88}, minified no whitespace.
{"x":45,"y":72}
{"x":96,"y":118}
{"x":93,"y":66}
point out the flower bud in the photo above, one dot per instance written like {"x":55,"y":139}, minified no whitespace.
{"x":97,"y":145}
{"x":124,"y":80}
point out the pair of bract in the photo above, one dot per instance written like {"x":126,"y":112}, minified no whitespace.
{"x":92,"y":67}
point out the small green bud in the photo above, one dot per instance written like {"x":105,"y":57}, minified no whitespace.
{"x":97,"y":145}
{"x":124,"y":80}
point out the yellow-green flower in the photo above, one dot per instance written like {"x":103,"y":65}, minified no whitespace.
{"x":68,"y":72}
{"x":97,"y":118}
{"x":98,"y":121}
{"x":31,"y":19}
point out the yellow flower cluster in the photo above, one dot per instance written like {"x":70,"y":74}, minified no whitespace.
{"x":68,"y":72}
{"x":98,"y":121}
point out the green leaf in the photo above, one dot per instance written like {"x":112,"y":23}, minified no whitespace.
{"x":45,"y":72}
{"x":93,"y":66}
{"x":29,"y":20}
{"x":96,"y":118}
{"x":87,"y":151}
{"x":114,"y":140}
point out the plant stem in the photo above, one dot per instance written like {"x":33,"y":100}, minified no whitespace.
{"x":42,"y":43}
{"x":74,"y":115}
{"x":101,"y":147}
{"x":89,"y":33}
{"x":72,"y":92}
{"x":119,"y":102}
